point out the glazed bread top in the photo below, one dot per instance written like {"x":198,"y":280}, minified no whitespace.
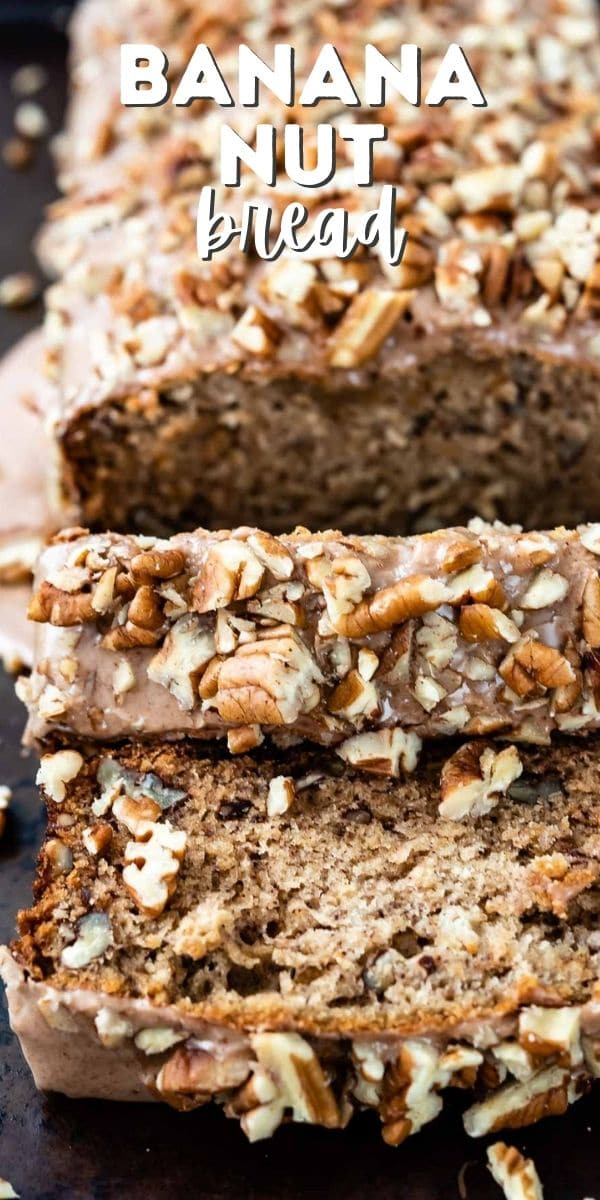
{"x":499,"y":204}
{"x":366,"y":643}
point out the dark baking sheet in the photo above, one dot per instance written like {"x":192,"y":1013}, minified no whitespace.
{"x":51,"y":1147}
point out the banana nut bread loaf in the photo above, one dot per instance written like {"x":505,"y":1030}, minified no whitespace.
{"x":296,"y":941}
{"x":366,"y":643}
{"x":313,"y":389}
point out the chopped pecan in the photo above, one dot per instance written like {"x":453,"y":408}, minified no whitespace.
{"x":591,"y":612}
{"x":232,"y":572}
{"x":365,"y":325}
{"x":531,"y":664}
{"x":475,"y":777}
{"x":129,"y":637}
{"x":268,"y":682}
{"x":144,"y":610}
{"x":157,"y":564}
{"x":515,"y":1105}
{"x":199,"y":1074}
{"x":50,"y":604}
{"x":410,"y":597}
{"x":480,"y":623}
{"x":515,"y":1174}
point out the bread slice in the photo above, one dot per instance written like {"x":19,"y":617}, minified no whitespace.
{"x":294,"y":940}
{"x":369,"y":644}
{"x":314,"y":389}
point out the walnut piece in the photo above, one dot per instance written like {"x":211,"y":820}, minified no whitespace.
{"x":152,"y":867}
{"x":56,"y":770}
{"x":94,"y":936}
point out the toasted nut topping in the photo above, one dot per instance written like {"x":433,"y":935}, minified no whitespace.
{"x":272,"y":554}
{"x":474,"y":779}
{"x":301,"y":1086}
{"x":144,"y":609}
{"x":480,"y":623}
{"x":157,"y":1039}
{"x":123,"y":678}
{"x":590,"y":537}
{"x":104,"y":591}
{"x":152,"y":868}
{"x":515,"y":1174}
{"x":344,"y":584}
{"x":354,"y":698}
{"x":129,"y":637}
{"x":476,"y":583}
{"x":268,"y":682}
{"x":366,"y":325}
{"x":232,"y":571}
{"x":93,"y":939}
{"x":382,"y":752}
{"x":437,"y":640}
{"x":158,"y":564}
{"x":196,"y":1072}
{"x":50,"y":604}
{"x":282,"y":793}
{"x":552,"y":1031}
{"x":185,"y":652}
{"x":244,"y":738}
{"x":591,"y":612}
{"x":112,"y":1028}
{"x":56,"y":770}
{"x":547,"y":588}
{"x":460,"y":554}
{"x":410,"y":597}
{"x":531,"y":663}
{"x":517,"y":1104}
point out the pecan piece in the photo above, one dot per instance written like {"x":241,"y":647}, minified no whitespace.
{"x":531,"y":664}
{"x":591,"y":612}
{"x":232,"y":572}
{"x":268,"y":682}
{"x":157,"y":564}
{"x":480,"y":623}
{"x":144,"y":609}
{"x":410,"y":597}
{"x":51,"y":605}
{"x":474,"y":778}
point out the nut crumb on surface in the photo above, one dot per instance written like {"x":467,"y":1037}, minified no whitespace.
{"x":18,"y":290}
{"x":516,"y":1175}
